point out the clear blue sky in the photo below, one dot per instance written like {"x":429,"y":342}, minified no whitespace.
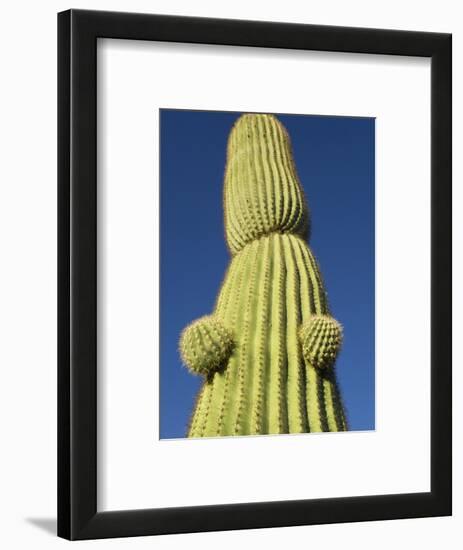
{"x":336,"y":165}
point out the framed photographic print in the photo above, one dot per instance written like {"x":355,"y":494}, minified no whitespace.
{"x":254,"y":297}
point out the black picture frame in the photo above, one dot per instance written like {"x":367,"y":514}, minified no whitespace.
{"x":78,"y":517}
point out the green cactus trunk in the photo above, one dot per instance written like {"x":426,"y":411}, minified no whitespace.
{"x":267,"y":352}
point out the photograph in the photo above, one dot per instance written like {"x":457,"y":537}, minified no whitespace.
{"x":267,"y":273}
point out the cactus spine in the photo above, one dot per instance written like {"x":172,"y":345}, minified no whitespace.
{"x":268,"y":350}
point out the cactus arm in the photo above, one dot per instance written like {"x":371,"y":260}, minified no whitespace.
{"x":321,"y":339}
{"x":205,"y":345}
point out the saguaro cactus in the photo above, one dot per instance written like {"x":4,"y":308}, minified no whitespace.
{"x":267,"y":352}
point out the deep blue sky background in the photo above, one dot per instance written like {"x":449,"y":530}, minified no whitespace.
{"x":335,"y":162}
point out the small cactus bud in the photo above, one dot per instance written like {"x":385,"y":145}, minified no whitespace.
{"x":321,"y":339}
{"x":205,"y":345}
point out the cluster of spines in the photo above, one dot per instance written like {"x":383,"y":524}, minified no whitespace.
{"x":272,"y":287}
{"x":262,"y":193}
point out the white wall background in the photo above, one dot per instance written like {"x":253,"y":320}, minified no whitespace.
{"x":28,"y":271}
